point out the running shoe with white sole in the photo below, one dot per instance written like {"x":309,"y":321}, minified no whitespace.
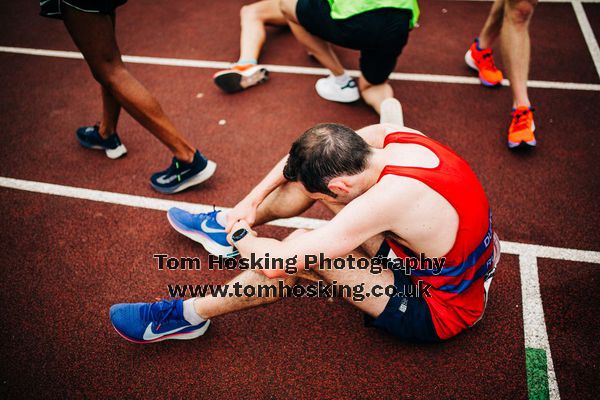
{"x":330,"y":90}
{"x":154,"y":322}
{"x":482,"y":61}
{"x":89,"y":137}
{"x":204,"y":229}
{"x":522,"y":128}
{"x":240,"y":77}
{"x":180,"y":176}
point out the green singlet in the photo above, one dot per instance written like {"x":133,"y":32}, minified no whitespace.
{"x":342,"y":9}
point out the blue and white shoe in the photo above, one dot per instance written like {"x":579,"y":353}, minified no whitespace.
{"x":154,"y":322}
{"x":204,"y":229}
{"x":180,"y":176}
{"x":89,"y":137}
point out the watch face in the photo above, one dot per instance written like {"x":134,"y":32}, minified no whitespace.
{"x":239,"y":234}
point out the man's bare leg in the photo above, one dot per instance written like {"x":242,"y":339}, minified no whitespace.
{"x":111,"y":109}
{"x":493,"y":25}
{"x":94,"y":36}
{"x":374,"y":95}
{"x":253,"y":18}
{"x":288,"y":200}
{"x":318,"y":47}
{"x":357,"y":279}
{"x":209,"y":307}
{"x":516,"y":47}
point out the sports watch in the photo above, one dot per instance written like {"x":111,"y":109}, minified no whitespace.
{"x":239,"y":234}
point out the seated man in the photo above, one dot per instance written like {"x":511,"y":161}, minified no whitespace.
{"x":395,"y":193}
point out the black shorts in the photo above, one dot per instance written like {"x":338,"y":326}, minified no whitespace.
{"x":380,"y":34}
{"x":53,"y":8}
{"x":405,"y":316}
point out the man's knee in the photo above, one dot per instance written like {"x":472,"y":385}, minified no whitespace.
{"x":250,"y":13}
{"x":520,"y":11}
{"x":288,"y":9}
{"x":108,"y":73}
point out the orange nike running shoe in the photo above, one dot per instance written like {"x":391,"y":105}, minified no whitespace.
{"x":520,"y":132}
{"x":482,"y":61}
{"x":240,"y":77}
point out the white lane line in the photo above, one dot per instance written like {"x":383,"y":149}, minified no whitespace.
{"x":290,"y":69}
{"x":588,"y":34}
{"x":151,"y":203}
{"x":534,"y":323}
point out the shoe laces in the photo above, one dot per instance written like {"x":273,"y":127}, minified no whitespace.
{"x":487,"y":61}
{"x":174,"y":169}
{"x":160,"y":312}
{"x":209,"y":215}
{"x":521,"y":119}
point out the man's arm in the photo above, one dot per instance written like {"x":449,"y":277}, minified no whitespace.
{"x":246,"y":208}
{"x":357,"y":222}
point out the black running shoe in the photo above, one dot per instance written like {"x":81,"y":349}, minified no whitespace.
{"x":180,"y":176}
{"x":89,"y":137}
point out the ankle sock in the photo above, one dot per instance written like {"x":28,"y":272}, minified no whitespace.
{"x":244,"y":61}
{"x":343,"y":79}
{"x":190,"y":314}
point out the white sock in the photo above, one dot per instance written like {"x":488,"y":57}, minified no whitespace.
{"x":190,"y":314}
{"x":222,"y":218}
{"x":343,"y":79}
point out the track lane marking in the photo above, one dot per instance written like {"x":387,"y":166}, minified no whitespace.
{"x":588,"y":33}
{"x":515,"y":248}
{"x":534,"y":324}
{"x":290,"y":69}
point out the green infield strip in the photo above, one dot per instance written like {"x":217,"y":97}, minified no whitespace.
{"x":537,"y":374}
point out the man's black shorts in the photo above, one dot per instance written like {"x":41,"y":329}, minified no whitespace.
{"x":53,"y":8}
{"x":405,"y":316}
{"x":380,"y":34}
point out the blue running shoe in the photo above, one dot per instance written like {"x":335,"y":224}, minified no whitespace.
{"x":204,"y":229}
{"x":154,"y":322}
{"x":180,"y":175}
{"x":89,"y":137}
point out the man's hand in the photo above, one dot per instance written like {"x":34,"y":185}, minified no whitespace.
{"x":243,"y":211}
{"x":241,"y":224}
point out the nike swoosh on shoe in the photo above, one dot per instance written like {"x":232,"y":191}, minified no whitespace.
{"x":149,"y":335}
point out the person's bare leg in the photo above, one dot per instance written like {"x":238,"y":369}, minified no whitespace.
{"x":210,"y":307}
{"x":94,"y":36}
{"x":319,"y":48}
{"x":493,"y":25}
{"x":111,"y":109}
{"x":253,"y":18}
{"x":288,"y":200}
{"x":374,"y":95}
{"x":516,"y":47}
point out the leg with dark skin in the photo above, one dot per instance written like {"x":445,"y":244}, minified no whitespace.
{"x":111,"y":109}
{"x":95,"y":37}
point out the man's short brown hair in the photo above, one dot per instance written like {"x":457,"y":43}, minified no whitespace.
{"x":324,"y":152}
